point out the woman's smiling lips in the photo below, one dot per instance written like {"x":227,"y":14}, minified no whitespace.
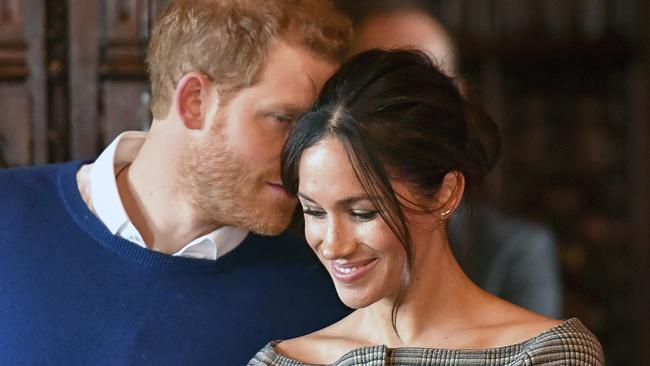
{"x":352,"y":271}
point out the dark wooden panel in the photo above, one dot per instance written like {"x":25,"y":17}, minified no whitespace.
{"x":639,"y":195}
{"x":107,"y":70}
{"x":125,"y":33}
{"x":126,"y":107}
{"x":639,"y":90}
{"x":37,"y":81}
{"x":15,"y":99}
{"x":125,"y":100}
{"x":155,"y":7}
{"x":11,"y":19}
{"x":58,"y":79}
{"x":3,"y":162}
{"x":15,"y":127}
{"x":84,"y":58}
{"x":12,"y":40}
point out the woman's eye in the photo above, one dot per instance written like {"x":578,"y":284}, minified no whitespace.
{"x":364,"y":215}
{"x":317,"y":214}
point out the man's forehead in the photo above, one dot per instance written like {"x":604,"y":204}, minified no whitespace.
{"x":292,"y":73}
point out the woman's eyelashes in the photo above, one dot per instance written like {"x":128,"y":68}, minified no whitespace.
{"x":363,"y":215}
{"x":356,"y":215}
{"x":315,"y":213}
{"x":282,"y":118}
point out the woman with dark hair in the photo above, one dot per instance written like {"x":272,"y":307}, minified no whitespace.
{"x":379,"y":164}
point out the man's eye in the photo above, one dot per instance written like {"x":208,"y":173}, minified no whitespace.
{"x":364,"y":215}
{"x":282,"y":118}
{"x":314,"y":213}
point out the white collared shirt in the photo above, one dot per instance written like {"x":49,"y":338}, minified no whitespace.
{"x":98,"y":186}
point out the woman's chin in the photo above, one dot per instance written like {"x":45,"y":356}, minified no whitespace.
{"x":356,"y":300}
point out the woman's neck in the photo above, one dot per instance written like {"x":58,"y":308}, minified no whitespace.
{"x":437,"y":303}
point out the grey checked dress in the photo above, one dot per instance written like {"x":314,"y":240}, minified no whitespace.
{"x":569,"y":343}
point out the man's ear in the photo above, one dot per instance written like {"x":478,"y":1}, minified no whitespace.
{"x":193,"y":97}
{"x":450,"y":194}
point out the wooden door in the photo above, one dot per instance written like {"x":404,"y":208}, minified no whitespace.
{"x":72,"y":76}
{"x":23,"y":102}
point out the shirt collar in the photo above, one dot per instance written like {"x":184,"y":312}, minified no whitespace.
{"x":107,"y":204}
{"x":103,"y":186}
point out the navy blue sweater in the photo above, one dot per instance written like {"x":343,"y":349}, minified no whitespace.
{"x":73,"y":294}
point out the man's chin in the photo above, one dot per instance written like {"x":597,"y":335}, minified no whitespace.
{"x":273,"y":223}
{"x":269,"y":229}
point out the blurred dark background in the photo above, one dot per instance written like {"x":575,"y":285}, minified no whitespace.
{"x":566,"y":80}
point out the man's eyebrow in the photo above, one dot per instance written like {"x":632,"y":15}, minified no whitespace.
{"x":285,"y":107}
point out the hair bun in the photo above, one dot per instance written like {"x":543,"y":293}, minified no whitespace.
{"x":484,"y":140}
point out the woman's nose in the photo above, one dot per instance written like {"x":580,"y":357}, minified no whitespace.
{"x":337,"y":243}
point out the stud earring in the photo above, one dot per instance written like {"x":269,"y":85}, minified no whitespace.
{"x":445,"y":215}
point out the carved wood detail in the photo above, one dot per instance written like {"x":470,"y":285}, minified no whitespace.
{"x":108,"y":42}
{"x":23,"y":82}
{"x":12,"y":40}
{"x":11,"y":19}
{"x":12,"y":61}
{"x":125,"y":39}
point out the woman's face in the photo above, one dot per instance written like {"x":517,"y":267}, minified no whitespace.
{"x":343,"y":227}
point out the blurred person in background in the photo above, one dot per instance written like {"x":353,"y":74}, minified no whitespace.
{"x":507,"y":256}
{"x":169,"y":247}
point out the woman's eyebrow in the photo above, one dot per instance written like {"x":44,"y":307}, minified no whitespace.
{"x":306,"y":197}
{"x":354,"y":199}
{"x":343,"y":202}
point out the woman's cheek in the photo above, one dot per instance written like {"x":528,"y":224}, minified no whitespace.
{"x":313,"y":233}
{"x":377,"y":235}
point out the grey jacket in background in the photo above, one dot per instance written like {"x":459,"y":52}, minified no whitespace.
{"x":508,"y":257}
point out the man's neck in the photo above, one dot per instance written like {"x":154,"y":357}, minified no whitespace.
{"x":154,"y":203}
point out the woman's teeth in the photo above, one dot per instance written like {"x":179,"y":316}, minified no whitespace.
{"x":348,"y":270}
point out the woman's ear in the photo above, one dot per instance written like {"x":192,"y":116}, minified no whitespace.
{"x":450,"y":194}
{"x":194,"y":95}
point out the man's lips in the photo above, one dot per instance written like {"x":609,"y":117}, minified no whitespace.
{"x":349,"y":272}
{"x":278,"y":187}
